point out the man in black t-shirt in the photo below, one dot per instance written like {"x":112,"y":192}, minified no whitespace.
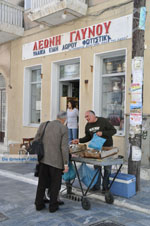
{"x":103,"y":128}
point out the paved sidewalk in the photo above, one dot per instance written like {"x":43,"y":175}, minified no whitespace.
{"x":24,"y":172}
{"x":18,"y":188}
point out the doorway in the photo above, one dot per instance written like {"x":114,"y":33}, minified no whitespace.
{"x":69,"y":91}
{"x":65,"y":84}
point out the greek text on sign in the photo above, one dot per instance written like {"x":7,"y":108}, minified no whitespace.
{"x":102,"y":33}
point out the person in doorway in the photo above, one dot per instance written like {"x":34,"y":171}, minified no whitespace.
{"x":103,"y":128}
{"x":54,"y":162}
{"x":72,"y":120}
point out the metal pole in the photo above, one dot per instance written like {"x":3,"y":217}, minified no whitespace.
{"x":136,"y":112}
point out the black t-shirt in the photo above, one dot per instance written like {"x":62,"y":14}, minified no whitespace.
{"x":103,"y":125}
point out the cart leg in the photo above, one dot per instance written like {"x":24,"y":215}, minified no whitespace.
{"x":98,"y":171}
{"x":115,"y":176}
{"x":79,"y":178}
{"x":69,"y":187}
{"x":108,"y":195}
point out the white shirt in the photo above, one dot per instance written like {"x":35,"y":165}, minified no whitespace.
{"x":72,"y":118}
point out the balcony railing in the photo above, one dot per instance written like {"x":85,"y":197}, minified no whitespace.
{"x":38,"y":3}
{"x":11,"y":14}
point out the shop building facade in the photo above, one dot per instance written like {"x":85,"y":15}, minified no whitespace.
{"x":84,"y":53}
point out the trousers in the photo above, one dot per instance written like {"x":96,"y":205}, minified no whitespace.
{"x":49,"y":177}
{"x":107,"y":172}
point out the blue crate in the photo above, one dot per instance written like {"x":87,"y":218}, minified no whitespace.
{"x":124,"y":185}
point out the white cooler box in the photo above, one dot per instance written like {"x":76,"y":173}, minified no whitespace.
{"x":124,"y":185}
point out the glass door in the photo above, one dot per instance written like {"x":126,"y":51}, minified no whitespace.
{"x":65,"y":89}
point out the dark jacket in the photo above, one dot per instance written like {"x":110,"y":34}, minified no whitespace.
{"x":103,"y":125}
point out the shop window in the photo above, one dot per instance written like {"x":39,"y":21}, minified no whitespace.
{"x":114,"y":65}
{"x":32,"y":96}
{"x":113,"y":91}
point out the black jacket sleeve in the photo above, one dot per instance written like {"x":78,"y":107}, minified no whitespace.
{"x":86,"y":138}
{"x":109,"y":129}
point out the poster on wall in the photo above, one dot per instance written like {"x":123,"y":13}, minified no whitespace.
{"x":135,"y":119}
{"x":142,"y":19}
{"x":137,"y":69}
{"x":135,"y":107}
{"x":97,"y":34}
{"x":136,"y":153}
{"x":136,"y":93}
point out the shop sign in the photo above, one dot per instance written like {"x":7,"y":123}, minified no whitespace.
{"x":107,"y":32}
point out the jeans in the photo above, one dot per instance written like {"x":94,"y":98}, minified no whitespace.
{"x":72,"y":134}
{"x":107,"y":172}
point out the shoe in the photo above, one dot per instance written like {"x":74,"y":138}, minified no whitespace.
{"x":52,"y":210}
{"x":60,"y":202}
{"x":40,"y":207}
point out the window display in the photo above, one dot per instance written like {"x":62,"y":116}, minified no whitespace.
{"x":114,"y":65}
{"x":113,"y":92}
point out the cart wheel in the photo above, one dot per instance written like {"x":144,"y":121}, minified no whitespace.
{"x":109,"y":197}
{"x":85,"y":204}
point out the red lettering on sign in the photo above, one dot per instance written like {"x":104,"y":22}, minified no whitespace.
{"x":99,"y":29}
{"x":35,"y":46}
{"x":107,"y":26}
{"x":71,"y":35}
{"x":91,"y":31}
{"x":46,"y":43}
{"x":83,"y":31}
{"x":41,"y":44}
{"x":58,"y":40}
{"x":77,"y":36}
{"x":51,"y":41}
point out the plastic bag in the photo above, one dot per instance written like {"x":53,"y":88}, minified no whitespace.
{"x":86,"y":174}
{"x":96,"y":142}
{"x":71,"y":174}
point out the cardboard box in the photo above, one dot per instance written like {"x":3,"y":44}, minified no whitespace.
{"x":14,"y":148}
{"x":124,"y":185}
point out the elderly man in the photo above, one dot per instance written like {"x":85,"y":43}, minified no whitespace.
{"x":54,"y":162}
{"x":103,"y":128}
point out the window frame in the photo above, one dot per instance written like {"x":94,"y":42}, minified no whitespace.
{"x":27,"y":96}
{"x":98,"y":76}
